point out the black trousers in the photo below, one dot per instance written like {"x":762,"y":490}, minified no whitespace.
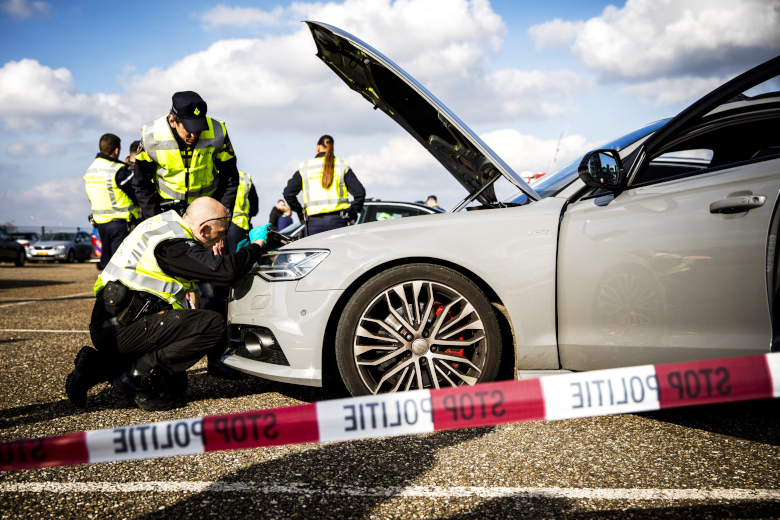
{"x":325,"y":222}
{"x":111,"y":235}
{"x":173,"y":340}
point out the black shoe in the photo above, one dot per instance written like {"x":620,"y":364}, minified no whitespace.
{"x":139,"y":388}
{"x":220,"y":370}
{"x":84,"y":376}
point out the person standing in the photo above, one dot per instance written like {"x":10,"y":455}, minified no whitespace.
{"x":276,"y":212}
{"x":111,"y":196}
{"x":185,"y":155}
{"x":326,"y":182}
{"x":432,"y":202}
{"x":144,"y":336}
{"x":286,"y":219}
{"x":130,"y":159}
{"x":243,"y":211}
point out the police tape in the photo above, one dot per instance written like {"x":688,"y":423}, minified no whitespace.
{"x":566,"y":396}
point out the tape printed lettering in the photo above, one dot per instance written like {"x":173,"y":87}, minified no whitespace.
{"x":375,"y":416}
{"x":295,"y":424}
{"x":146,"y":441}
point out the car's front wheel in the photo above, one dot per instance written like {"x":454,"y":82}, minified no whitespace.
{"x":417,"y":326}
{"x":71,"y":257}
{"x":20,"y":259}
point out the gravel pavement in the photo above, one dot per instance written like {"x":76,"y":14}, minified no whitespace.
{"x":708,"y":462}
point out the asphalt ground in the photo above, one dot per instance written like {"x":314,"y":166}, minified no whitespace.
{"x":718,"y":461}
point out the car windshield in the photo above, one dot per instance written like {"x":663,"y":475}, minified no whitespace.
{"x":551,"y":184}
{"x":58,"y":236}
{"x":27,"y":236}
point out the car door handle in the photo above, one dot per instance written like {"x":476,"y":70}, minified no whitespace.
{"x":733,"y":204}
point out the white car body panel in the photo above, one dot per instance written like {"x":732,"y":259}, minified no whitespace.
{"x":519,"y":267}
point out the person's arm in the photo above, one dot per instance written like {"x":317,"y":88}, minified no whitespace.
{"x":124,"y":180}
{"x":294,"y":186}
{"x":143,"y":184}
{"x":226,"y":164}
{"x":356,"y":189}
{"x":188,"y":259}
{"x":253,"y":202}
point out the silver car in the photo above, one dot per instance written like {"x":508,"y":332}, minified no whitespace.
{"x":659,"y":247}
{"x":61,"y":246}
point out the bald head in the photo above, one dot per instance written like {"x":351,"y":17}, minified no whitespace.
{"x":208,"y":219}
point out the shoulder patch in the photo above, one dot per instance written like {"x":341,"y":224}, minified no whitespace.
{"x":191,"y":243}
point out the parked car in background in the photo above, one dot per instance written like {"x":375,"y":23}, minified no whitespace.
{"x":374,"y":210}
{"x":61,"y":246}
{"x":10,"y":249}
{"x":658,"y":247}
{"x":25,"y":238}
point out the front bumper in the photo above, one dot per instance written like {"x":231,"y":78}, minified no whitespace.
{"x":47,"y":255}
{"x":296,"y":320}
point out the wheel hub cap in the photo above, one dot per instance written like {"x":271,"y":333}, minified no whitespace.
{"x":420,"y":347}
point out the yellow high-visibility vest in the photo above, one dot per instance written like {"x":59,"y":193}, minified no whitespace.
{"x":241,"y":209}
{"x":107,"y":200}
{"x":173,"y":180}
{"x":135,"y":265}
{"x":317,"y":199}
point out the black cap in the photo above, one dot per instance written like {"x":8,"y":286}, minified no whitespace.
{"x":191,"y":109}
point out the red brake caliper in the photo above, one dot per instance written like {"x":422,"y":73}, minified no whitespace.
{"x":453,"y":352}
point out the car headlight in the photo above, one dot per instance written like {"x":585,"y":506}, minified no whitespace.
{"x":60,"y":248}
{"x":285,"y":266}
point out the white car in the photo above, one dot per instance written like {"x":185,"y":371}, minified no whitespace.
{"x":659,"y":247}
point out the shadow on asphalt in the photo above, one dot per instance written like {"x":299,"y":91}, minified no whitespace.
{"x":313,"y":474}
{"x":757,"y":421}
{"x":23,"y":284}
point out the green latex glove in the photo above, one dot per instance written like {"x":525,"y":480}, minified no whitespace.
{"x":259,"y":233}
{"x":243,"y":243}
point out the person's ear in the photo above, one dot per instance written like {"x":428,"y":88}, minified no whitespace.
{"x":171,"y":121}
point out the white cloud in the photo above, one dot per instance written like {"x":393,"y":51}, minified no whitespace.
{"x":35,"y":97}
{"x":555,"y":32}
{"x":669,"y":91}
{"x":35,"y":149}
{"x":648,"y":38}
{"x":223,"y":15}
{"x":21,"y":9}
{"x":60,"y":200}
{"x":524,"y":152}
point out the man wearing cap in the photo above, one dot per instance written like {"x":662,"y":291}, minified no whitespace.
{"x":184,"y":155}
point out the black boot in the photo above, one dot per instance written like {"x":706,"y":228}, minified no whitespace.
{"x":220,"y":370}
{"x":87,"y":374}
{"x":139,"y":387}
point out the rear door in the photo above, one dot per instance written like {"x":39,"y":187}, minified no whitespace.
{"x":675,"y":267}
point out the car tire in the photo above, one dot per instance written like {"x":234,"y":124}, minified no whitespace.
{"x":71,"y":257}
{"x":20,"y":259}
{"x":383,"y":345}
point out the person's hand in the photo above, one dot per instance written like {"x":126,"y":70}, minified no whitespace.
{"x":259,"y":234}
{"x":219,"y":248}
{"x":241,"y":244}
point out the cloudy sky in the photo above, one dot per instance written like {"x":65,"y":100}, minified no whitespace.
{"x":520,"y":74}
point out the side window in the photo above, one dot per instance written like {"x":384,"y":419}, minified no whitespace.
{"x":717,"y":146}
{"x":4,"y":235}
{"x":388,"y":212}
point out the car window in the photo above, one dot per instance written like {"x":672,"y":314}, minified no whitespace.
{"x":58,"y":236}
{"x":4,"y":235}
{"x":389,"y":212}
{"x":719,"y":145}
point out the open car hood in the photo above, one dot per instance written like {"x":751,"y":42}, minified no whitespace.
{"x":397,"y":94}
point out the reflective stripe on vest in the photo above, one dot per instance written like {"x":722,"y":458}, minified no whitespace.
{"x":241,"y":209}
{"x":107,"y":200}
{"x":135,"y":265}
{"x":172,"y":180}
{"x":317,"y":199}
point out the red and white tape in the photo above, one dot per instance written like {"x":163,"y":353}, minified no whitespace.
{"x":567,"y":396}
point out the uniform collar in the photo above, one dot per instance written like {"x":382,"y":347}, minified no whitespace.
{"x":101,"y":155}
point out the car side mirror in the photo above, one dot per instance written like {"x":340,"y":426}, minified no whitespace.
{"x":601,"y":169}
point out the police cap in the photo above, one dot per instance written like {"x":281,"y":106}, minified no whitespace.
{"x":191,"y":109}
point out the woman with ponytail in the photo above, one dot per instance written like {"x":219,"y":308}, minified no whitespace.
{"x":326,"y":182}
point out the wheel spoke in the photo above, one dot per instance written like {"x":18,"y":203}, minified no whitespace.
{"x":384,"y":358}
{"x":400,"y":318}
{"x":443,"y":374}
{"x":475,"y":325}
{"x":364,"y":333}
{"x":391,"y":373}
{"x":460,"y":342}
{"x":456,"y":359}
{"x":443,"y":316}
{"x":388,"y":328}
{"x":466,"y":310}
{"x":469,"y":380}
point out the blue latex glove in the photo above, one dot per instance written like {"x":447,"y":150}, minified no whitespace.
{"x":243,"y":243}
{"x":259,"y":233}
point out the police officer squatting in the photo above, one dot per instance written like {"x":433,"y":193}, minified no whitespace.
{"x":111,"y":197}
{"x":144,"y":336}
{"x":326,"y":182}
